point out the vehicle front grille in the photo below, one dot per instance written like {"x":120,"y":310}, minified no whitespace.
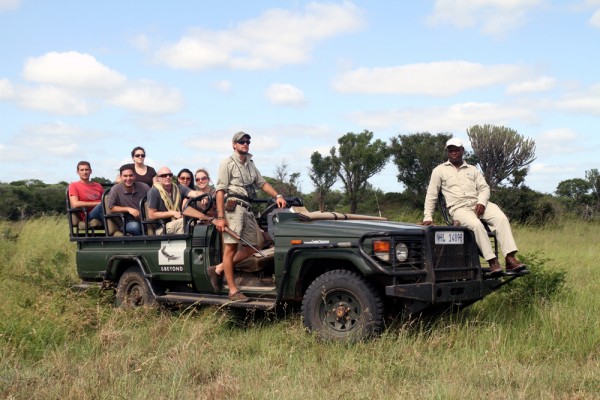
{"x":453,"y":262}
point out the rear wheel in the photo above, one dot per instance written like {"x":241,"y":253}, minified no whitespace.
{"x":133,"y":290}
{"x":341,"y":305}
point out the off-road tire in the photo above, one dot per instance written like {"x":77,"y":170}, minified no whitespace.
{"x":133,"y":290}
{"x":341,"y":305}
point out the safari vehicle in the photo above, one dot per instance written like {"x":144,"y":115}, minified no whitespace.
{"x":346,"y":271}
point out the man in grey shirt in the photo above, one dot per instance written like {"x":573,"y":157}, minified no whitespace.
{"x":125,"y":198}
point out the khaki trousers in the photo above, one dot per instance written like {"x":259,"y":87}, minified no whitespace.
{"x":498,"y":223}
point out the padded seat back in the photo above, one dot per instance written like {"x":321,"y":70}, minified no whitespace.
{"x":113,"y":222}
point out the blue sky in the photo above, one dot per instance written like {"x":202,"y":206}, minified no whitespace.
{"x":91,"y":80}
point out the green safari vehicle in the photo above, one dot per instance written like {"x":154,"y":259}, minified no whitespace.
{"x":346,"y":271}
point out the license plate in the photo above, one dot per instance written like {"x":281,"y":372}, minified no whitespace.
{"x":445,"y":237}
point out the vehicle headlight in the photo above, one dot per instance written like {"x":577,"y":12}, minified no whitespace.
{"x":401,"y":251}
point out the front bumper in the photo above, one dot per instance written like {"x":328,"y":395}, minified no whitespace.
{"x":440,"y":293}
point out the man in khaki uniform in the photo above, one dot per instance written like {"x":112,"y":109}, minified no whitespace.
{"x":238,"y":177}
{"x":467,"y":197}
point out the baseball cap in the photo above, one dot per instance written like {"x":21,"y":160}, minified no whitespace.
{"x":240,"y":135}
{"x":454,"y":142}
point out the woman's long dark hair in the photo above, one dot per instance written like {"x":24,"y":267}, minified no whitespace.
{"x":183,"y":171}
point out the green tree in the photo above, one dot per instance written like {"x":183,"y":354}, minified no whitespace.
{"x":593,"y":177}
{"x":574,"y":189}
{"x":103,"y":181}
{"x":526,"y":206}
{"x":502,"y":153}
{"x":416,"y":156}
{"x":323,"y":175}
{"x":357,"y":159}
{"x":286,"y":183}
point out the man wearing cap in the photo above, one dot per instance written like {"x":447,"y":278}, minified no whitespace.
{"x":237,"y":179}
{"x":467,"y":197}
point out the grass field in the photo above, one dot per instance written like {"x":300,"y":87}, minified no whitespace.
{"x":518,"y":344}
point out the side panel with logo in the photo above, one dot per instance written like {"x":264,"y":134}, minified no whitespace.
{"x":172,"y":258}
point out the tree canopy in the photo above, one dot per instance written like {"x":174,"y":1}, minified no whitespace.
{"x":416,"y":156}
{"x":593,"y":177}
{"x":323,"y":175}
{"x":502,"y":153}
{"x":574,"y":189}
{"x":357,"y":159}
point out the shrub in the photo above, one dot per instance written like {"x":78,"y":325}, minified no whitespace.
{"x":543,"y":284}
{"x":526,"y":206}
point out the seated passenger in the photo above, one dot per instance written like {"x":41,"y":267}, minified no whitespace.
{"x":184,"y":177}
{"x":203,"y":185}
{"x":86,"y":194}
{"x":125,"y":198}
{"x":143,"y":173}
{"x":165,"y":201}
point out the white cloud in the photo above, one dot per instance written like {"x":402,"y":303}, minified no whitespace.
{"x":224,"y":86}
{"x":586,"y":102}
{"x":285,"y":94}
{"x":494,"y":17}
{"x":47,"y":143}
{"x":51,"y":99}
{"x":541,"y":84}
{"x":595,"y":19}
{"x":6,"y":89}
{"x":557,"y":141}
{"x":140,"y":42}
{"x":6,"y":5}
{"x":275,"y":38}
{"x":72,"y":70}
{"x":56,"y":138}
{"x":69,"y":90}
{"x":454,"y":118}
{"x":437,"y":78}
{"x":150,"y":97}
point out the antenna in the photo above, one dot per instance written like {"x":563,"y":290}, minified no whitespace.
{"x":377,"y":201}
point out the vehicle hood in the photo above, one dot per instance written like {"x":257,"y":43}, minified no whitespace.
{"x":344,"y":230}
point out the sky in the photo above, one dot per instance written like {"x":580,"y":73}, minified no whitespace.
{"x":91,"y":80}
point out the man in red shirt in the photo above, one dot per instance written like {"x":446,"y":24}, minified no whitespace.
{"x":86,"y":194}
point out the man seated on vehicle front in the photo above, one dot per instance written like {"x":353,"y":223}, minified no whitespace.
{"x":467,"y":195}
{"x":165,"y":201}
{"x":125,"y":198}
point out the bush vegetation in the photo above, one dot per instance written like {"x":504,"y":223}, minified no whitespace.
{"x":537,"y":338}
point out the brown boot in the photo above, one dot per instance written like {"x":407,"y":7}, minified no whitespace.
{"x":216,"y":280}
{"x":514,"y":265}
{"x":495,"y":267}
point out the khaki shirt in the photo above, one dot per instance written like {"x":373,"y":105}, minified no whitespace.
{"x":234,"y":175}
{"x":462,"y":187}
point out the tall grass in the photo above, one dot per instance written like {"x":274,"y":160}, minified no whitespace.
{"x":57,"y":343}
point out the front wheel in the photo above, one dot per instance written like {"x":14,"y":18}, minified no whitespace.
{"x":341,"y":305}
{"x":133,"y":290}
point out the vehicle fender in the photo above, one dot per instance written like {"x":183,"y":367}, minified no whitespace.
{"x":331,"y":256}
{"x":117,"y":264}
{"x":310,"y":263}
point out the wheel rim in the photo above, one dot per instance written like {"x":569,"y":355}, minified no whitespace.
{"x":133,"y":295}
{"x":340,"y":311}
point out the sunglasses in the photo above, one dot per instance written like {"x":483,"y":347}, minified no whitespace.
{"x":169,"y":175}
{"x":140,"y":155}
{"x":185,"y":178}
{"x":244,"y":141}
{"x":204,"y":178}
